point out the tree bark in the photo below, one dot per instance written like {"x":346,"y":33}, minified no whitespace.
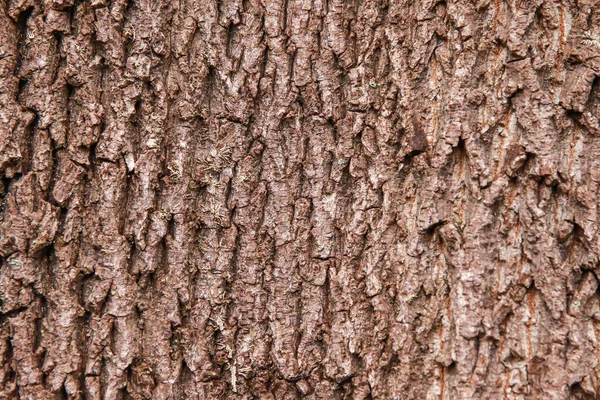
{"x":286,"y":199}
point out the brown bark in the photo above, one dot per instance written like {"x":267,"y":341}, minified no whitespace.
{"x":228,"y":199}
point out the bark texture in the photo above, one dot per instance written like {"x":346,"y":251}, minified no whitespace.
{"x":285,"y":199}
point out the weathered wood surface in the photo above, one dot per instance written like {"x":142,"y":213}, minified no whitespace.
{"x":290,"y":199}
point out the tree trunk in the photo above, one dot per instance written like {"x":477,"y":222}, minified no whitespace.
{"x":294,"y":199}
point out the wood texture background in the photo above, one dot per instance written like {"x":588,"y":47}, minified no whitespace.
{"x":243,"y":199}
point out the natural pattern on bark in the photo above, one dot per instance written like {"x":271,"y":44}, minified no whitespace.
{"x":235,"y":199}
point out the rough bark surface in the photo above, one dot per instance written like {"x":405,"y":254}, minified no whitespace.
{"x":285,"y":199}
